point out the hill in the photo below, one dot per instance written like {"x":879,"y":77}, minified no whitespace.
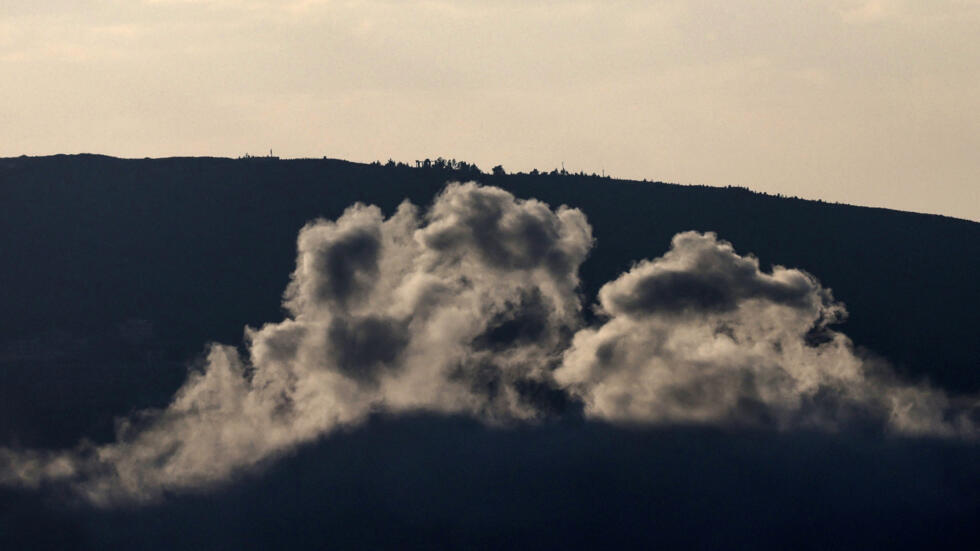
{"x":118,"y":271}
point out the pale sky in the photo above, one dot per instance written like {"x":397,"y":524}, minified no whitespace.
{"x":865,"y":102}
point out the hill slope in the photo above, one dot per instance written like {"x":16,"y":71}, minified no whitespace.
{"x":118,"y":271}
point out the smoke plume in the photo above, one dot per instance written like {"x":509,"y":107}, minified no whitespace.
{"x":473,"y":308}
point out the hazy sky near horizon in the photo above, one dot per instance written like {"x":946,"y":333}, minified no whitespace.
{"x":872,"y":102}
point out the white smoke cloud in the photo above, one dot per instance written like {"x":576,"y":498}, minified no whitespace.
{"x":472,"y":308}
{"x":702,"y":335}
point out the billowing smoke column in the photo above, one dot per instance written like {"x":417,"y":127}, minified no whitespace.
{"x":472,"y":308}
{"x":701,"y":334}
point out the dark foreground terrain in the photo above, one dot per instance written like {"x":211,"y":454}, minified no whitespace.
{"x":436,"y":482}
{"x":115,"y":273}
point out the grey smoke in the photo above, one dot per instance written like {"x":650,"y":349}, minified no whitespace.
{"x":703,"y":335}
{"x":700,"y":276}
{"x":472,"y":308}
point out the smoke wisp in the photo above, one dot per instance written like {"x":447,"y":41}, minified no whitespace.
{"x":472,"y":307}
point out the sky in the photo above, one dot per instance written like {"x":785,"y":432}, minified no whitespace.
{"x":863,"y":102}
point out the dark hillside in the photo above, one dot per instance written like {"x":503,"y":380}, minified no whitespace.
{"x":115,"y":272}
